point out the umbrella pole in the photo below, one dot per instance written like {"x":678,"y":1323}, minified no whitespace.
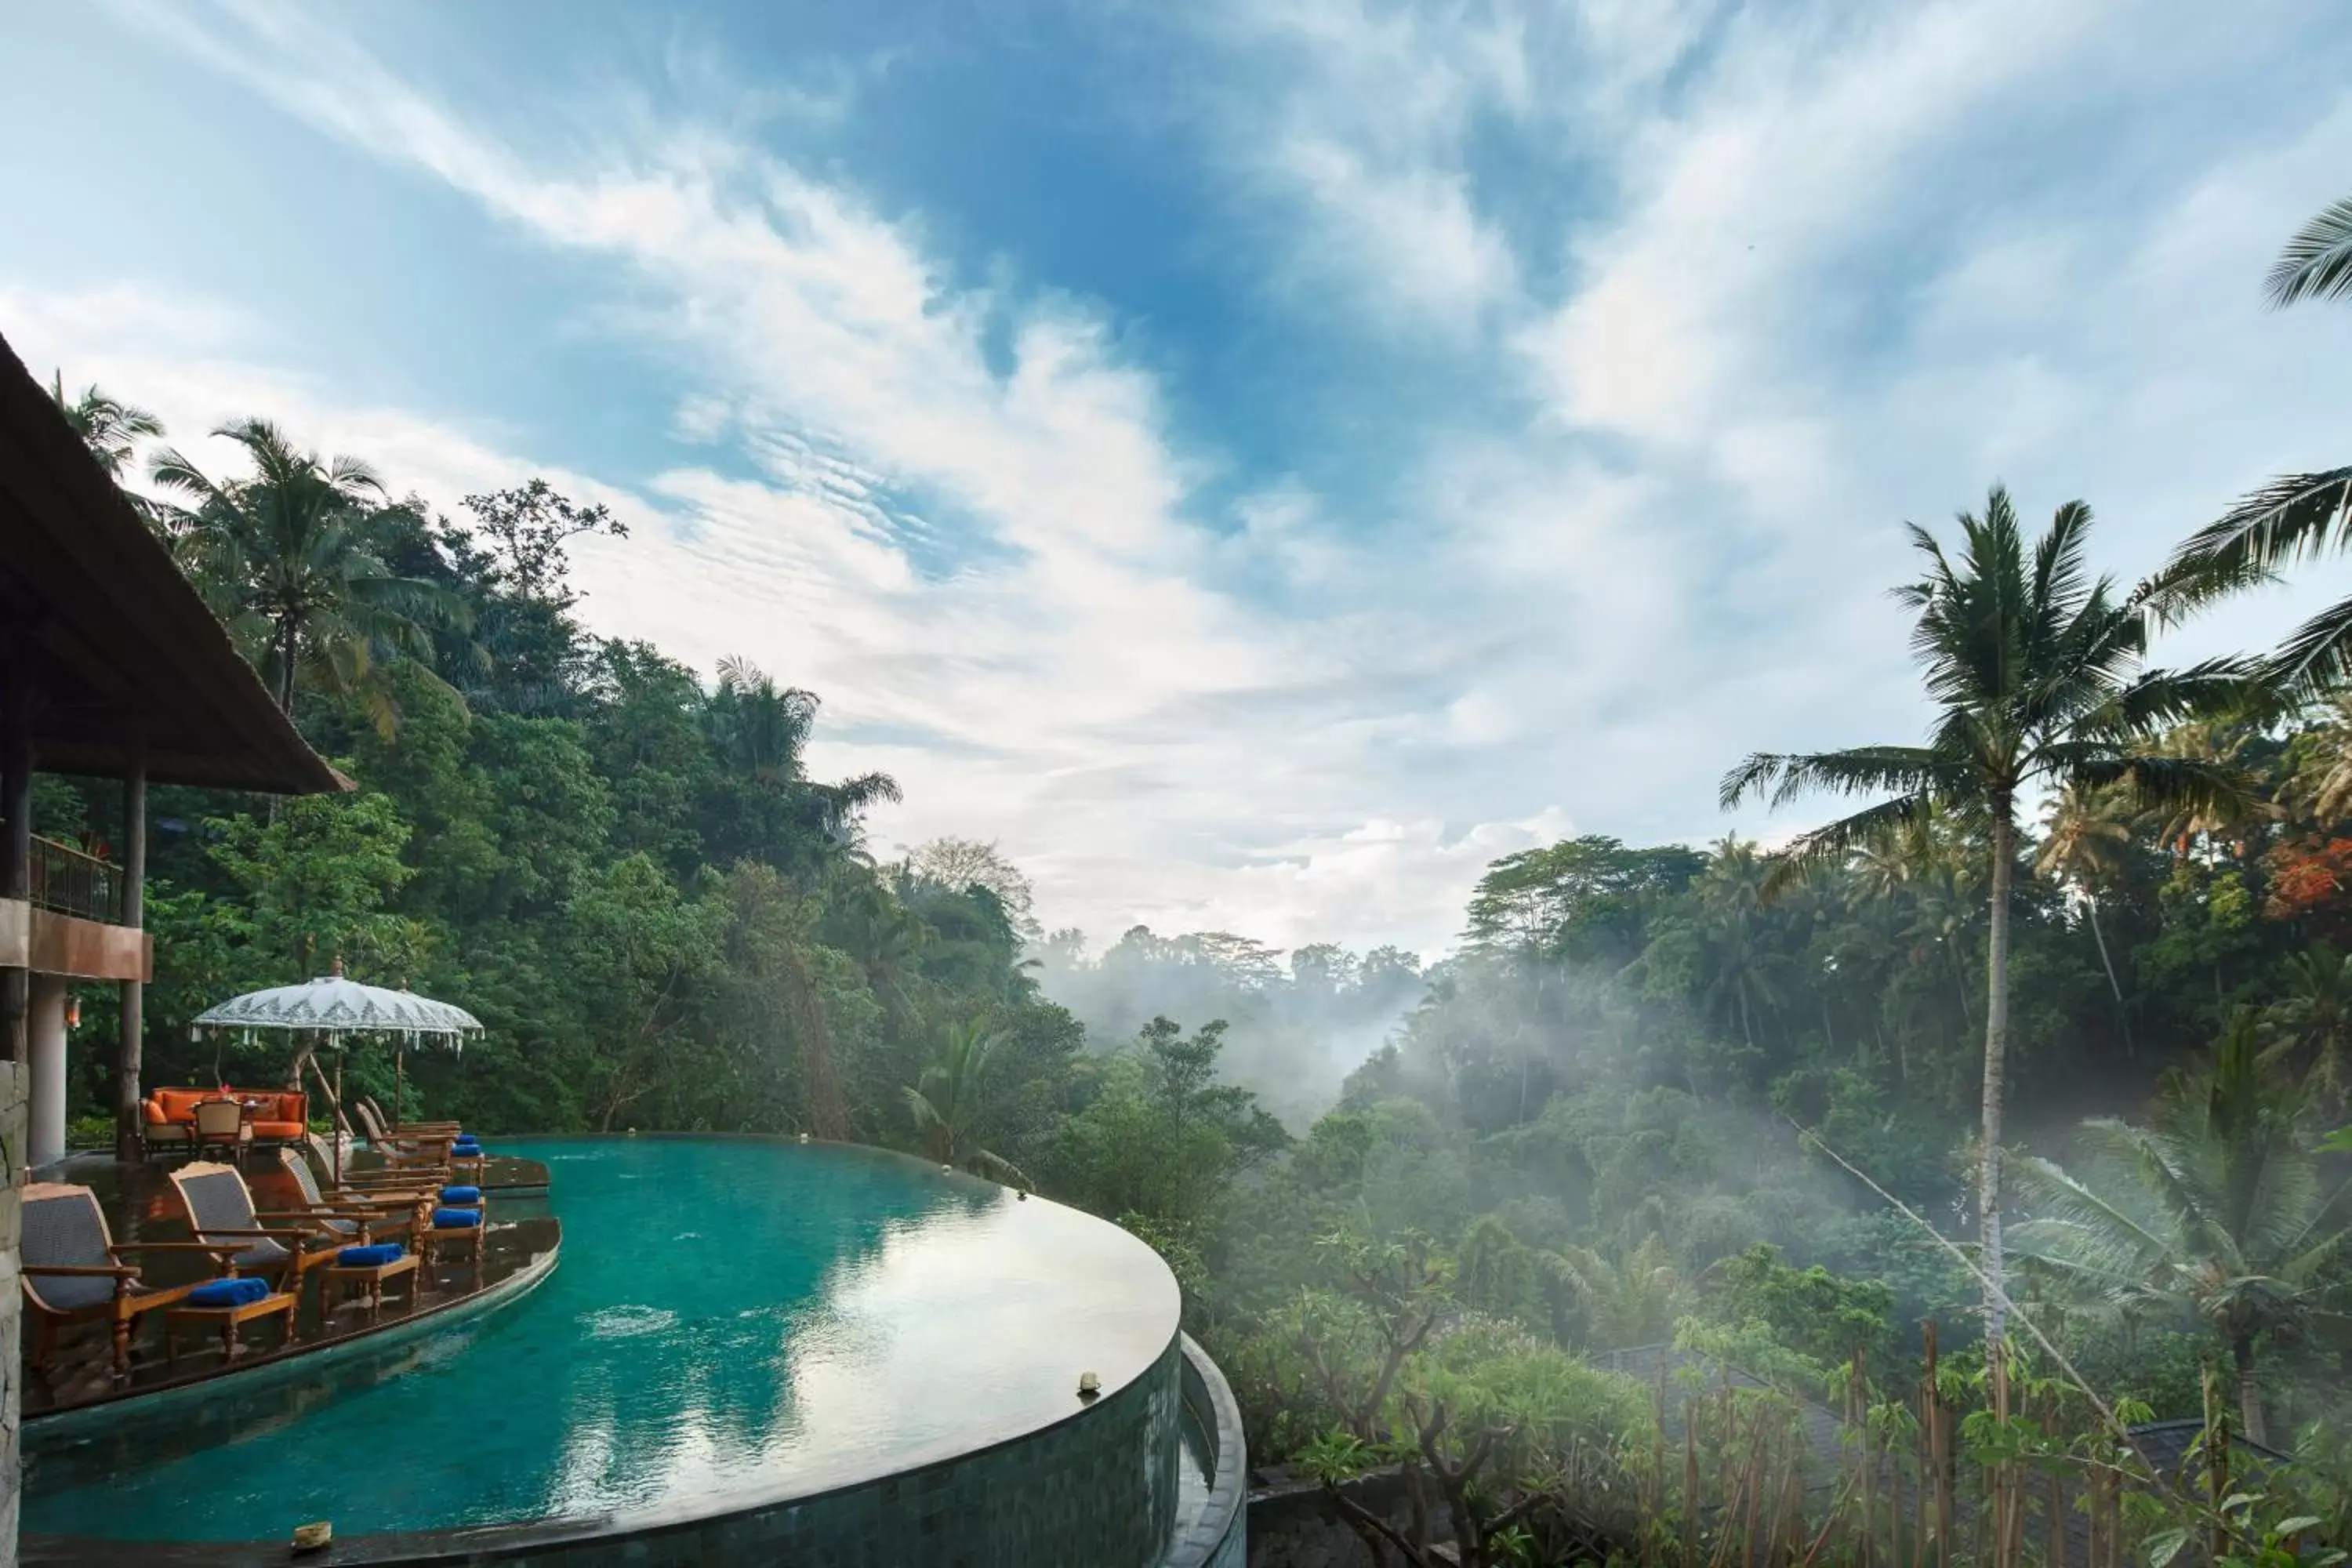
{"x":338,"y":1115}
{"x":400,"y":1084}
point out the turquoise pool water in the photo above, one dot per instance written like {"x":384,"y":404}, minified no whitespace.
{"x":731,"y":1321}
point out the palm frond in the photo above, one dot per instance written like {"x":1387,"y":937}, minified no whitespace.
{"x":2316,"y":656}
{"x":2292,"y":517}
{"x":1862,"y":770}
{"x":2318,"y":262}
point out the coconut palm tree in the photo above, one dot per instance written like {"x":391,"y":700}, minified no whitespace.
{"x":945,"y":1104}
{"x":288,"y":558}
{"x":2035,"y":670}
{"x":763,"y":729}
{"x":2085,"y":834}
{"x":1619,"y":1302}
{"x":109,"y":426}
{"x":2312,"y":1022}
{"x":2217,"y":1208}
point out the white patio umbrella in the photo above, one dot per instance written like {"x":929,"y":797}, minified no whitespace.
{"x":335,"y":1007}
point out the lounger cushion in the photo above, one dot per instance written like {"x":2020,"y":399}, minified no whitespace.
{"x":286,"y":1130}
{"x":375,"y":1256}
{"x":228,"y":1293}
{"x":455,"y":1219}
{"x":461,"y":1194}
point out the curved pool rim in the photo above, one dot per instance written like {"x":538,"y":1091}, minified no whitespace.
{"x":680,"y":1526}
{"x":1215,"y":1534}
{"x":284,"y":1364}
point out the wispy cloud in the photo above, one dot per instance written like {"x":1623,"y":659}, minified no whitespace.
{"x":1671,"y":311}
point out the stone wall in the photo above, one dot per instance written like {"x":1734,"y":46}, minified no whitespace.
{"x":12,"y":1298}
{"x":1292,"y":1524}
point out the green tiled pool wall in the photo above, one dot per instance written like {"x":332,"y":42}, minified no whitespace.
{"x":1098,"y":1490}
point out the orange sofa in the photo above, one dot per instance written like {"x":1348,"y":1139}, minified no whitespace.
{"x":279,"y":1115}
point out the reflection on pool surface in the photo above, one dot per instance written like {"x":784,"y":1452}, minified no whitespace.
{"x":732,"y":1317}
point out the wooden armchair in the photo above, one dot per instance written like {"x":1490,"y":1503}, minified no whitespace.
{"x":220,"y":1210}
{"x":408,"y":1128}
{"x":358,"y":1215}
{"x":221,"y":1124}
{"x":73,"y":1271}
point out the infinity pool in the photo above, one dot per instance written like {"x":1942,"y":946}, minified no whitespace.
{"x":732,"y":1322}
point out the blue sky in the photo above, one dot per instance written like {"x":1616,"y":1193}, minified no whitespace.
{"x":1256,"y":461}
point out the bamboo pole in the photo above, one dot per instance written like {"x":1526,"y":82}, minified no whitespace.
{"x":1690,"y":1484}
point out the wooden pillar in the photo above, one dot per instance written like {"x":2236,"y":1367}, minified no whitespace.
{"x":17,"y":837}
{"x":130,"y":1130}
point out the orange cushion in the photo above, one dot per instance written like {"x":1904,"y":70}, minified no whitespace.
{"x":180,"y":1104}
{"x":273,"y":1104}
{"x":288,"y":1130}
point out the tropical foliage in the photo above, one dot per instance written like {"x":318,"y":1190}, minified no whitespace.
{"x":1751,"y":1108}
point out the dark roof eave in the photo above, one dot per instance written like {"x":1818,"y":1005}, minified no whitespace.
{"x":205,"y":716}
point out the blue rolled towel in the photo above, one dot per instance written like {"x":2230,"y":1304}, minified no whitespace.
{"x":455,"y":1219}
{"x":465,"y":1140}
{"x":227,"y":1293}
{"x":461,"y":1196}
{"x":375,"y":1256}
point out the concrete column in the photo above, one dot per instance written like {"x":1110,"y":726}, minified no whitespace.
{"x":129,"y":1128}
{"x":45,"y":1134}
{"x":12,"y":1182}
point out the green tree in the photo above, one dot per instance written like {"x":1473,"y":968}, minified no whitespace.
{"x":290,"y":560}
{"x":2034,"y":669}
{"x":2312,"y":1022}
{"x":1161,"y":1137}
{"x":2216,"y":1207}
{"x":765,"y":806}
{"x":109,"y":426}
{"x":945,"y":1104}
{"x":1618,"y":1302}
{"x":2085,"y":834}
{"x":640,"y":949}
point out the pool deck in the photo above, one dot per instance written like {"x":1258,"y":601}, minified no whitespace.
{"x":518,"y":1247}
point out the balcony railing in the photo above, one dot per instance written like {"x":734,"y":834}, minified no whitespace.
{"x":66,"y":881}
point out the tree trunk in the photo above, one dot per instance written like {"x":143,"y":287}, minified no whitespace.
{"x":2250,"y":1395}
{"x":1996,"y":1085}
{"x":2123,"y":1014}
{"x":286,"y":634}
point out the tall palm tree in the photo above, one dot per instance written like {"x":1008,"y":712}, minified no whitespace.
{"x":945,"y":1104}
{"x":109,"y":426}
{"x":289,"y":557}
{"x":2216,"y":1208}
{"x":1740,"y":970}
{"x":2086,"y":833}
{"x":2034,"y":669}
{"x":764,"y":730}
